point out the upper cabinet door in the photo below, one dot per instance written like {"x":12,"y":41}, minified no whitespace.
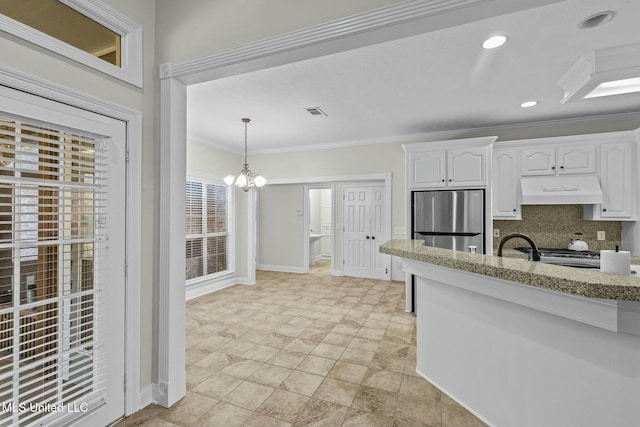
{"x":559,"y":160}
{"x":466,"y":167}
{"x":427,"y":169}
{"x":576,"y":159}
{"x":538,"y":161}
{"x":615,"y":177}
{"x":506,"y":184}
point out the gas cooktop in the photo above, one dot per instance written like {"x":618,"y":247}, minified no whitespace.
{"x":566,"y":257}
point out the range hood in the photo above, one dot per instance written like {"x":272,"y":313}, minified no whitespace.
{"x":561,"y":190}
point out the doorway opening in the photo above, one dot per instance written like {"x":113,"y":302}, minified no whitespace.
{"x":320,"y":219}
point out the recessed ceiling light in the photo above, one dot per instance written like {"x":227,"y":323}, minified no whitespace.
{"x":528,"y":104}
{"x":596,"y":20}
{"x":494,"y":42}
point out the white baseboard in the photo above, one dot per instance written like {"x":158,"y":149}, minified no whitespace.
{"x":245,"y":281}
{"x":337,"y":273}
{"x":199,"y":289}
{"x":282,"y":268}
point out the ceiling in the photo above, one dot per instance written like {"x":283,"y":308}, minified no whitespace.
{"x":438,"y":81}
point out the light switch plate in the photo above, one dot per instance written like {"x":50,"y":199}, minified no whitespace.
{"x":399,"y":230}
{"x":601,"y":235}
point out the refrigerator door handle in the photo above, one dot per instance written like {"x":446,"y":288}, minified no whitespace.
{"x":433,"y":233}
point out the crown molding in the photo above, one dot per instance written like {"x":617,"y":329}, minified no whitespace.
{"x":455,"y":133}
{"x":402,"y":19}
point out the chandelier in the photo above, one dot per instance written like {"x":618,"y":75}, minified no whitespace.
{"x":246,"y":179}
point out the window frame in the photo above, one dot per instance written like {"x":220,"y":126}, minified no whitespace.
{"x":205,"y":179}
{"x":131,"y":62}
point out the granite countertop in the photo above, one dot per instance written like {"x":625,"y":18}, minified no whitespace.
{"x":578,"y":281}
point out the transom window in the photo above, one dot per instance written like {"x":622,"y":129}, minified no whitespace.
{"x":208,"y":228}
{"x":78,"y":30}
{"x":87,"y":31}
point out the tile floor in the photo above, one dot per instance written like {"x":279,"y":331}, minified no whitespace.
{"x":304,"y":350}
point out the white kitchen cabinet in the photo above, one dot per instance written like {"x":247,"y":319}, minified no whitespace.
{"x":462,"y":167}
{"x":506,"y":184}
{"x":466,"y":167}
{"x":616,"y":181}
{"x":538,"y":161}
{"x":559,"y":160}
{"x":427,"y":168}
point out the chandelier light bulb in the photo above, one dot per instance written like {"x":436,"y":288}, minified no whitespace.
{"x":247,"y":179}
{"x":242,"y":180}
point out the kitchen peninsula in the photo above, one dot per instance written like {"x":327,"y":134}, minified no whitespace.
{"x":524,"y":343}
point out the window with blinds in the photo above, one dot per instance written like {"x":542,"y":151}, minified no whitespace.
{"x":52,"y":237}
{"x":208,"y":216}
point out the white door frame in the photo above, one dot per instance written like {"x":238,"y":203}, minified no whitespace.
{"x":396,"y":21}
{"x":351,"y":180}
{"x":133,"y":216}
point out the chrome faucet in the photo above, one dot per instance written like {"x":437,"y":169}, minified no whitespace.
{"x":535,"y":254}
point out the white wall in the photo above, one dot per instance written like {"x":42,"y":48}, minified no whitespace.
{"x":195,"y":27}
{"x":362,"y":159}
{"x":280,"y":227}
{"x":25,"y":57}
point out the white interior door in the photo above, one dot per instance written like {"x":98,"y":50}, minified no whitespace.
{"x":62,"y":256}
{"x":364,"y":222}
{"x":356,"y":233}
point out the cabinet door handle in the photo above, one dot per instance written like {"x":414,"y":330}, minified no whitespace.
{"x":373,"y":237}
{"x":515,"y":210}
{"x":561,"y":167}
{"x":450,"y":180}
{"x":367,"y":237}
{"x":553,"y":168}
{"x":443,"y":180}
{"x":604,"y":209}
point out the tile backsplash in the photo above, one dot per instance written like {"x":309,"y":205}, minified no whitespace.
{"x":551,"y":226}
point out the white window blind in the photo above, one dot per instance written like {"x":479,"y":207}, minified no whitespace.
{"x":52,"y":240}
{"x":208,"y":225}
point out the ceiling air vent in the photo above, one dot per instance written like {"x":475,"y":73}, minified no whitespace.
{"x":316,"y":112}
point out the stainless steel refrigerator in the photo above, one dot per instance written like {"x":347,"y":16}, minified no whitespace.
{"x":452,"y":219}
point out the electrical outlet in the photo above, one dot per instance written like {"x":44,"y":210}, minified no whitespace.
{"x":496,"y":232}
{"x":601,"y":235}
